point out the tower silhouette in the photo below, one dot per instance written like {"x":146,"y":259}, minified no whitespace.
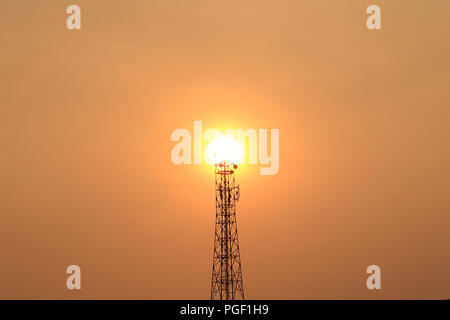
{"x":226,"y":271}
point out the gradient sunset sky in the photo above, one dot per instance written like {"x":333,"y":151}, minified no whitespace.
{"x":87,"y":178}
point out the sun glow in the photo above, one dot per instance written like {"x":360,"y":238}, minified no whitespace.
{"x":224,"y":148}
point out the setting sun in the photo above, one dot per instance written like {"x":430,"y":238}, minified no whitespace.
{"x":223,"y":148}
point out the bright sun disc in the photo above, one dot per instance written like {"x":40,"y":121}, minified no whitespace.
{"x":224,"y":148}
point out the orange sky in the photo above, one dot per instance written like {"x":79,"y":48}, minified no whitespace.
{"x":85,"y":124}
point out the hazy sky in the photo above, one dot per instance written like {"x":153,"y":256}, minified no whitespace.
{"x":86,"y":174}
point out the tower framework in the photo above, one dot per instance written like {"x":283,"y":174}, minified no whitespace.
{"x":226,"y":271}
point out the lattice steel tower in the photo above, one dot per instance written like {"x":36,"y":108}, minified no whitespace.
{"x":226,"y":271}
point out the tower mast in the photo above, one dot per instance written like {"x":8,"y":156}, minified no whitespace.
{"x":226,"y":271}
